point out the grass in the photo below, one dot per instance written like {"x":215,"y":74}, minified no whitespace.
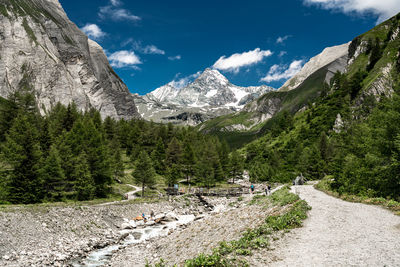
{"x":325,"y":186}
{"x":293,"y":212}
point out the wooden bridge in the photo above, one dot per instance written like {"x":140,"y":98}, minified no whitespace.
{"x":199,"y":191}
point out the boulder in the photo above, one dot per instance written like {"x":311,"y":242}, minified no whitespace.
{"x":126,"y":226}
{"x":170,"y":217}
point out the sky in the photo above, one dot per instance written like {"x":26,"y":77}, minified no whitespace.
{"x":151,"y":43}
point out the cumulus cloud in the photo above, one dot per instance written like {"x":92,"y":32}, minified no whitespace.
{"x":279,"y":72}
{"x":173,"y":58}
{"x":124,"y":58}
{"x":179,"y":83}
{"x":93,"y":31}
{"x":237,"y":61}
{"x":384,"y":9}
{"x":114,"y":12}
{"x":282,"y":39}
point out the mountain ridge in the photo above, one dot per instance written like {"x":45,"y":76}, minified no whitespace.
{"x":62,"y":64}
{"x":210,"y":95}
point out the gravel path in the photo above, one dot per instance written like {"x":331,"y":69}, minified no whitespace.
{"x":338,"y":233}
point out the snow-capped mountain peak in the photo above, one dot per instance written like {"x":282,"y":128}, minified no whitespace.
{"x":164,"y":93}
{"x":210,"y":89}
{"x":209,"y":94}
{"x":212,"y":76}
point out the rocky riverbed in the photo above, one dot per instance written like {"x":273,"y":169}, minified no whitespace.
{"x":53,"y":236}
{"x":229,"y":219}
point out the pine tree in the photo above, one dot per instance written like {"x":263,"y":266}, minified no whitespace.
{"x":110,"y":128}
{"x":236,"y":165}
{"x":223,"y":153}
{"x":189,"y":161}
{"x":70,"y":117}
{"x":84,"y":183}
{"x":174,"y":152}
{"x":205,"y":172}
{"x":98,"y":158}
{"x":22,"y":152}
{"x":173,"y":175}
{"x":52,"y":176}
{"x":158,"y":157}
{"x":144,"y":172}
{"x":323,"y":147}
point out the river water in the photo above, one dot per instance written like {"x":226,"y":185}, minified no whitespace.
{"x":102,"y":256}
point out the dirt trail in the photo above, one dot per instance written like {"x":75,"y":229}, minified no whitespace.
{"x":338,"y":233}
{"x":130,"y":195}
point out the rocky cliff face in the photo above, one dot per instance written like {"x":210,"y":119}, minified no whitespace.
{"x":209,"y":96}
{"x":42,"y":47}
{"x":327,"y":56}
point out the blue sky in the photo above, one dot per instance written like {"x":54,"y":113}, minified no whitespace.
{"x":153,"y":42}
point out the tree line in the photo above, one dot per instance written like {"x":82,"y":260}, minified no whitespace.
{"x":69,"y":154}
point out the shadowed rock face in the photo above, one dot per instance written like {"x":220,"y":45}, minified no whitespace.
{"x":41,"y":45}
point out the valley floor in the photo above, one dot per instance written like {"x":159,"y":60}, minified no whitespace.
{"x":337,"y":233}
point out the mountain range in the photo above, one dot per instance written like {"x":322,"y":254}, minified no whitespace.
{"x":43,"y":51}
{"x":208,"y":96}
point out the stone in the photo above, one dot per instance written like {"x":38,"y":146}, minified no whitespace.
{"x":61,"y":63}
{"x":170,"y":217}
{"x":126,"y":226}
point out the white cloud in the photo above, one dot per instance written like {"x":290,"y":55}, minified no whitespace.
{"x":114,"y":12}
{"x":124,"y":58}
{"x":182,"y":82}
{"x":177,"y":57}
{"x":138,"y":47}
{"x":282,"y":39}
{"x":237,"y":61}
{"x":384,"y":9}
{"x":93,"y":31}
{"x":282,"y":53}
{"x":152,"y":49}
{"x":115,"y":2}
{"x":278,"y":72}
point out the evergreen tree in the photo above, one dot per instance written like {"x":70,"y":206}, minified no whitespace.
{"x":71,"y":116}
{"x":223,"y":153}
{"x":189,"y":161}
{"x":376,"y":54}
{"x":205,"y":172}
{"x":323,"y":147}
{"x":98,"y":158}
{"x":117,"y":162}
{"x":174,"y":152}
{"x":52,"y":176}
{"x":109,"y":128}
{"x":144,"y":172}
{"x":236,"y":165}
{"x":173,"y":175}
{"x":158,"y":157}
{"x":84,"y":183}
{"x":22,"y":152}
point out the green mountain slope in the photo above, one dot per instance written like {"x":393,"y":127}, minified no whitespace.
{"x":245,"y":126}
{"x":350,"y":132}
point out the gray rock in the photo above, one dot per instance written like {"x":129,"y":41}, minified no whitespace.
{"x":49,"y":52}
{"x":170,"y":217}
